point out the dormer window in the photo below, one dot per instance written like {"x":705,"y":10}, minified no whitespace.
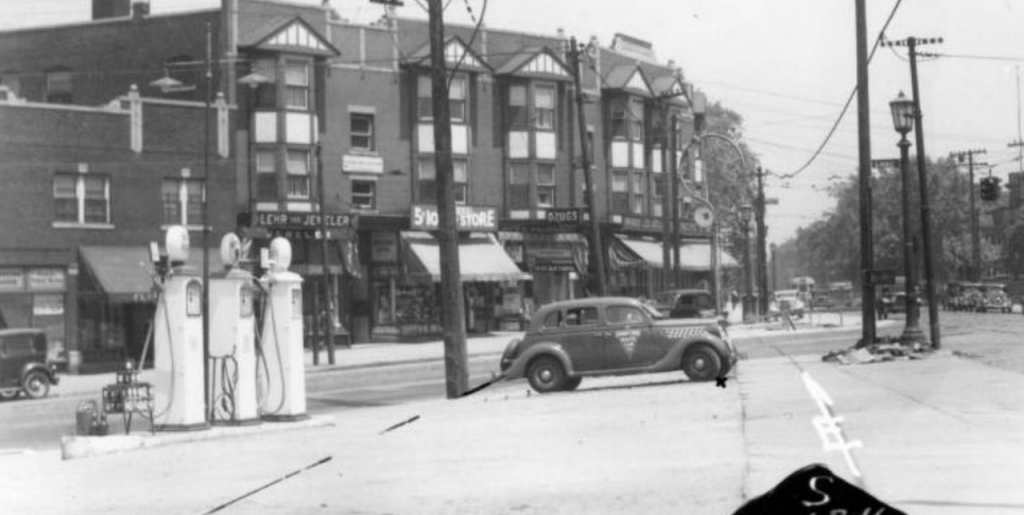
{"x":544,"y":106}
{"x":457,"y":95}
{"x":297,"y":84}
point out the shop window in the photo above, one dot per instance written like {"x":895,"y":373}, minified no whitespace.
{"x":12,"y":80}
{"x":517,"y":106}
{"x":81,"y":198}
{"x":58,"y":86}
{"x":296,"y":78}
{"x":618,"y":110}
{"x":636,"y":118}
{"x":298,"y":174}
{"x":362,"y":128}
{"x":364,"y":194}
{"x":182,"y":201}
{"x":461,"y":173}
{"x":545,"y":185}
{"x":266,"y":174}
{"x":544,"y":106}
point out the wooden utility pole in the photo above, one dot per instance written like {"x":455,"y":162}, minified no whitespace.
{"x":762,"y":242}
{"x":864,"y":137}
{"x":673,"y":171}
{"x":669,"y":199}
{"x":975,"y":229}
{"x":597,"y":279}
{"x":452,"y":308}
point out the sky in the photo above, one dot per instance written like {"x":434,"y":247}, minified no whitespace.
{"x":786,"y":66}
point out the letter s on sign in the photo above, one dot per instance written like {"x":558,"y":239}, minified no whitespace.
{"x":813,"y":484}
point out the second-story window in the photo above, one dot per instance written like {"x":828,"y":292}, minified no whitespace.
{"x":517,"y":106}
{"x":361,"y":136}
{"x":81,"y":198}
{"x":545,"y":185}
{"x":296,"y":80}
{"x":183,"y":201}
{"x":364,"y":194}
{"x":58,"y":86}
{"x":457,"y":98}
{"x":266,"y":174}
{"x":620,"y":191}
{"x":638,"y":193}
{"x":544,"y":106}
{"x":461,"y":174}
{"x":298,"y":174}
{"x":519,"y":185}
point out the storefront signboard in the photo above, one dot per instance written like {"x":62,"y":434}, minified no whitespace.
{"x":281,"y":220}
{"x":48,"y":305}
{"x":467,"y":218}
{"x":557,"y":260}
{"x":12,"y":280}
{"x":569,"y":220}
{"x":46,"y":279}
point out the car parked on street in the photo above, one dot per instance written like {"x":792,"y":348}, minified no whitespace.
{"x":687,"y":303}
{"x":995,"y":298}
{"x":23,"y":364}
{"x":598,"y":336}
{"x":789,"y":301}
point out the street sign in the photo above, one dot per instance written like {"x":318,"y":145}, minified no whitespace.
{"x":885,"y":163}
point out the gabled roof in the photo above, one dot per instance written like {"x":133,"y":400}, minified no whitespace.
{"x":288,"y":34}
{"x":630,"y":78}
{"x":536,"y":61}
{"x":672,"y":87}
{"x":454,"y":48}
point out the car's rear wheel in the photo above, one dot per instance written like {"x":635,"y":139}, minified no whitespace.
{"x":36,"y":385}
{"x":701,"y":363}
{"x":546,"y":374}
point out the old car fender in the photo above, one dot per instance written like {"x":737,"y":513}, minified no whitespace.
{"x":518,"y":367}
{"x":675,"y":357}
{"x":37,"y":367}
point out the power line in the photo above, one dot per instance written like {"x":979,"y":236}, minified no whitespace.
{"x":878,"y":41}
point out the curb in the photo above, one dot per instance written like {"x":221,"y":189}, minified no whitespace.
{"x":76,"y":447}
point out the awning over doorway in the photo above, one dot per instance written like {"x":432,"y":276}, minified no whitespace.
{"x":125,"y":273}
{"x":694,"y":256}
{"x":481,"y":258}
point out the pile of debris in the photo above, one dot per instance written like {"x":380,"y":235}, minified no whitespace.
{"x":877,"y":353}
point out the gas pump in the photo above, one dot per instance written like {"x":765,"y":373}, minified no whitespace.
{"x":232,"y":341}
{"x":281,"y":345}
{"x":178,"y":342}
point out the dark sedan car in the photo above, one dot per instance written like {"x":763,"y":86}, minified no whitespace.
{"x":570,"y":340}
{"x":23,"y":365}
{"x":689,"y":303}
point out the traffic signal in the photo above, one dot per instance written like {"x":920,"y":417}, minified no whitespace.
{"x":990,"y":188}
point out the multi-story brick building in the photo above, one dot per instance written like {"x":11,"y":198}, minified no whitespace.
{"x":96,"y":136}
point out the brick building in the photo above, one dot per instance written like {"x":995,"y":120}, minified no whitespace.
{"x":95,"y":136}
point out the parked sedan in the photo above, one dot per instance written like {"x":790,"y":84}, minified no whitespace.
{"x":598,"y":336}
{"x":23,"y":365}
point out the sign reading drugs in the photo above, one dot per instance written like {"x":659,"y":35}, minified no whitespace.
{"x":467,"y":218}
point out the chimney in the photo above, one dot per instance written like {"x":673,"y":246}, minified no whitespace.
{"x":103,"y":9}
{"x":560,"y":33}
{"x":140,"y":9}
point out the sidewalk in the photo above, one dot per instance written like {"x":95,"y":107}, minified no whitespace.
{"x":940,"y":436}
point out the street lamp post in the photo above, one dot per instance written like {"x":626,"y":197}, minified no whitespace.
{"x":746,"y":212}
{"x":902,"y":120}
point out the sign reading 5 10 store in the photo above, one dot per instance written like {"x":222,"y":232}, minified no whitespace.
{"x":467,"y":218}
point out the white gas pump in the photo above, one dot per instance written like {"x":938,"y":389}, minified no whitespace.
{"x":178,"y":342}
{"x":284,"y":371}
{"x":232,"y":341}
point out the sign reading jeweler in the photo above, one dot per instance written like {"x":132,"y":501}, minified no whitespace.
{"x":467,"y":218}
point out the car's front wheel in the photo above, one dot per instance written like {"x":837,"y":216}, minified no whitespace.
{"x":546,"y":374}
{"x":572,"y":383}
{"x":701,"y":363}
{"x":36,"y":385}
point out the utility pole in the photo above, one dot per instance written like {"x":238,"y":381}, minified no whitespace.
{"x":926,"y":223}
{"x":975,"y":229}
{"x":669,"y":195}
{"x":864,"y":138}
{"x":328,"y":307}
{"x":597,"y":280}
{"x":673,"y":170}
{"x":452,"y":308}
{"x":762,"y":241}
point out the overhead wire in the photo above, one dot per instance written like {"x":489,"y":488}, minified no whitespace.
{"x":853,"y":94}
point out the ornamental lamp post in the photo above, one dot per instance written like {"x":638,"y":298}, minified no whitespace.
{"x":254,"y":80}
{"x":903,"y":121}
{"x":746,"y":213}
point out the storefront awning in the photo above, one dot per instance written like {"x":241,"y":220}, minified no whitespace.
{"x":125,"y":273}
{"x":481,"y":258}
{"x":694,"y":256}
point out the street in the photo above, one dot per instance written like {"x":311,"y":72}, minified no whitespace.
{"x":989,"y":338}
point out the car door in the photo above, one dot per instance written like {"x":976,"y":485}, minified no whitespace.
{"x":579,"y":331}
{"x":632,"y":342}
